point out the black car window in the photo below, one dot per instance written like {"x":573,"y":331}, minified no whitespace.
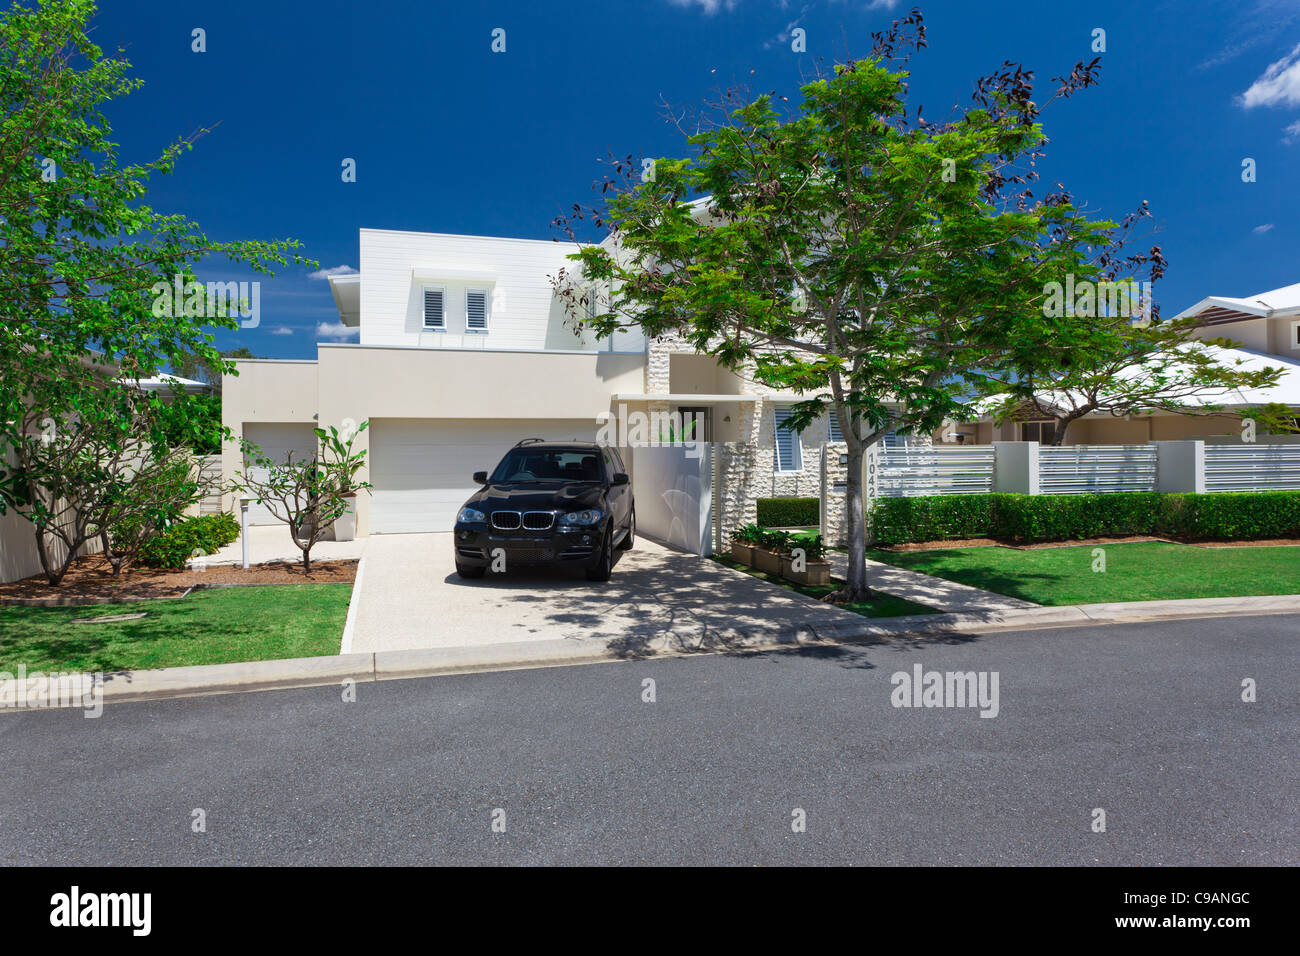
{"x":537,"y":464}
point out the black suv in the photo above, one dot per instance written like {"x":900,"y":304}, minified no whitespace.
{"x":548,"y":503}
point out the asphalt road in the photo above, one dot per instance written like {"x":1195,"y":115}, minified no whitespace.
{"x":1145,"y":722}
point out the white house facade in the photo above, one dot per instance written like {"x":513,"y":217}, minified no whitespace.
{"x":463,"y":349}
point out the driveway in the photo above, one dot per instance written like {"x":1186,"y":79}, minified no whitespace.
{"x":410,"y":597}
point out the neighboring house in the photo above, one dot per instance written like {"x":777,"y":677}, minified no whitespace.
{"x":1267,"y":328}
{"x":463,"y":349}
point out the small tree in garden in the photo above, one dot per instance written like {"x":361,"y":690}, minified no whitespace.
{"x":97,"y":473}
{"x":847,"y":249}
{"x":308,"y":496}
{"x":155,"y":495}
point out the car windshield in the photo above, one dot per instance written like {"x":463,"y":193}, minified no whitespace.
{"x":534,"y":465}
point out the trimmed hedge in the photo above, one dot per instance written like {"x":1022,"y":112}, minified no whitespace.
{"x":1193,"y":517}
{"x":204,"y":534}
{"x":788,"y":512}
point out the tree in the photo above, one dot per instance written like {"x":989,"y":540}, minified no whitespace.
{"x":82,"y":255}
{"x":307,"y":496}
{"x":873,"y":263}
{"x":98,"y":473}
{"x":1123,"y":362}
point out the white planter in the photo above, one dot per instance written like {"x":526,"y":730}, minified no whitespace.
{"x":345,"y":526}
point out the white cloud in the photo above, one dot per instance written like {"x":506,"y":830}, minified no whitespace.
{"x":332,"y":271}
{"x":1260,"y":230}
{"x":1279,"y":85}
{"x":1292,"y":133}
{"x":334,"y":330}
{"x":282,"y":330}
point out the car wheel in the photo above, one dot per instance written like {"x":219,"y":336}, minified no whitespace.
{"x":627,"y":542}
{"x":605,"y":564}
{"x":470,"y":570}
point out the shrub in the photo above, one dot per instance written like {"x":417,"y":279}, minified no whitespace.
{"x":789,"y":512}
{"x":931,"y":518}
{"x":1209,"y":517}
{"x":747,"y":534}
{"x":203,"y":535}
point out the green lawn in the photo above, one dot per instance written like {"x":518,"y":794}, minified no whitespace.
{"x":1144,"y":571}
{"x":881,"y":607}
{"x":208,"y":627}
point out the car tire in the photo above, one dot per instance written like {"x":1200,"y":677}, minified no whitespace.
{"x":470,"y":571}
{"x":630,"y":539}
{"x":605,"y":564}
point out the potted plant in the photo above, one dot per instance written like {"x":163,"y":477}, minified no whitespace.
{"x":767,"y":556}
{"x":804,"y":561}
{"x":345,"y":525}
{"x":743,"y":541}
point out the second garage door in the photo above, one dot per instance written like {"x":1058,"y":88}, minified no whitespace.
{"x":421,"y":468}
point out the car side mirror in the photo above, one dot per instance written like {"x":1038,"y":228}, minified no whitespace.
{"x":480,"y":477}
{"x":619,"y":479}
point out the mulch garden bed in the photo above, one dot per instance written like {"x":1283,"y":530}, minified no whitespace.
{"x":1020,"y":546}
{"x":90,"y":580}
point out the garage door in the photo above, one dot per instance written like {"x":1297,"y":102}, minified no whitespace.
{"x":277,"y":440}
{"x":420,"y":468}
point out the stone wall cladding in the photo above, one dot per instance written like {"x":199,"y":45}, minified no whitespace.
{"x":735,"y":468}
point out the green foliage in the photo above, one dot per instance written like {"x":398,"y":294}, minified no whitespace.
{"x":81,"y":250}
{"x":778,"y":541}
{"x":788,"y":512}
{"x":192,"y":421}
{"x":1032,"y":518}
{"x":747,"y":534}
{"x":205,"y":534}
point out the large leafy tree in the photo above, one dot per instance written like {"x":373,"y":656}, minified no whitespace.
{"x":81,"y":251}
{"x":846,"y":248}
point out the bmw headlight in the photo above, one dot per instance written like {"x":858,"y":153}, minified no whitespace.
{"x":471,"y":516}
{"x":588,"y":517}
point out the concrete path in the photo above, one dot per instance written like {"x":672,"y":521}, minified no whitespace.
{"x":410,"y":597}
{"x":267,"y":543}
{"x":926,"y":589}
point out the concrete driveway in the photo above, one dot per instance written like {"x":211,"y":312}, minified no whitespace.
{"x":411,"y":597}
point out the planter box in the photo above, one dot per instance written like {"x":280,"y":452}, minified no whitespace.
{"x":814,"y":572}
{"x":766,"y":560}
{"x":744,"y":553}
{"x":345,"y":525}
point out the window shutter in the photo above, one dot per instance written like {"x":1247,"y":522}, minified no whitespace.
{"x":788,"y":451}
{"x":476,"y":314}
{"x":433,"y":312}
{"x":834,"y":432}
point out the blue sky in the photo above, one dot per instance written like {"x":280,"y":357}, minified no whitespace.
{"x":451,"y":137}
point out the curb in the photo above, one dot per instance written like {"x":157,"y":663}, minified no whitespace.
{"x":207,"y":679}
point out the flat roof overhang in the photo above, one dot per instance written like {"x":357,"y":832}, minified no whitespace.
{"x":686,"y":397}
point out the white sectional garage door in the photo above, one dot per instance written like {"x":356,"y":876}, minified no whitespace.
{"x":421,"y":468}
{"x":277,"y":440}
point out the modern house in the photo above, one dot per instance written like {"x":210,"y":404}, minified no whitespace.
{"x":1266,"y":328}
{"x":463,"y":348}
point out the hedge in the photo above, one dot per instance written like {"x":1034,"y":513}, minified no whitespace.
{"x":1208,"y":517}
{"x":202,"y":535}
{"x":789,"y":512}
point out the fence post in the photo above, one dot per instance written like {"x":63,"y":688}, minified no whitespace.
{"x":1180,"y":466}
{"x":1015,"y":467}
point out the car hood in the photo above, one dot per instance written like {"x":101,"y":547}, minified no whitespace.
{"x":566,"y":497}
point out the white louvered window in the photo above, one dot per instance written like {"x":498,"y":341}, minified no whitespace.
{"x":476,"y":310}
{"x":789,"y":454}
{"x":435,"y":315}
{"x":833,"y":432}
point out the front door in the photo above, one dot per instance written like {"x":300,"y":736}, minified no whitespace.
{"x":703,"y":431}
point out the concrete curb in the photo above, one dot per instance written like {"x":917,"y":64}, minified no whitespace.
{"x":432,"y":662}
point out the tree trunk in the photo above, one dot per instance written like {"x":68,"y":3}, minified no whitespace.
{"x":53,"y":575}
{"x":855,"y":584}
{"x":306,"y":559}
